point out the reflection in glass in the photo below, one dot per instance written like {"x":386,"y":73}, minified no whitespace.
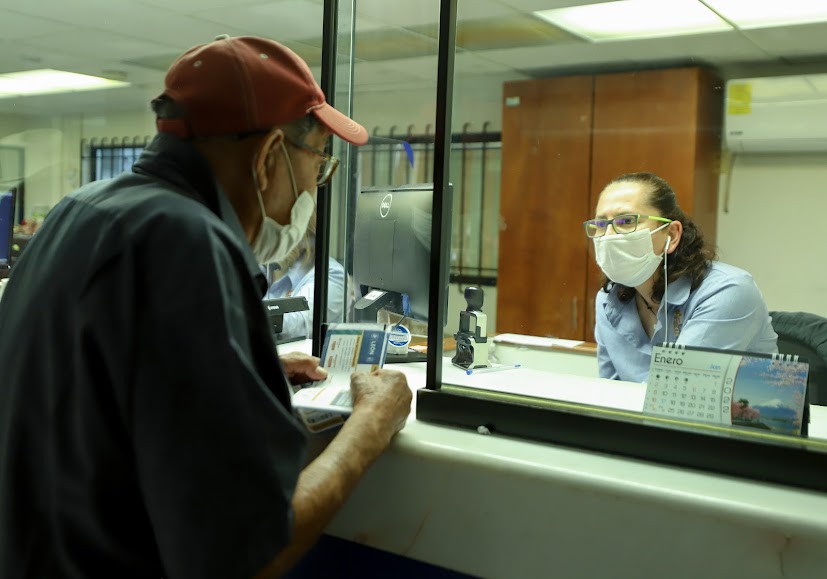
{"x":555,"y":159}
{"x":389,"y":58}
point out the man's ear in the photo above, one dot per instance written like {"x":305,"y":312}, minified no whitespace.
{"x":266,"y":150}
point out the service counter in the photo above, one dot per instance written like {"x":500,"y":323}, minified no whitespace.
{"x":494,"y":506}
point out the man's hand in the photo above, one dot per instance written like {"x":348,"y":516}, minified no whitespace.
{"x":381,"y":403}
{"x":301,"y":368}
{"x":385,"y":395}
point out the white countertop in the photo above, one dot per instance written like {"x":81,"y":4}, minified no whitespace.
{"x":495,"y":506}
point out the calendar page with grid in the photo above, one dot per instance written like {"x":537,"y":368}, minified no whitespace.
{"x":760,"y":391}
{"x":690,"y":384}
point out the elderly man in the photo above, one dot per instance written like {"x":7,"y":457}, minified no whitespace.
{"x":145,"y":419}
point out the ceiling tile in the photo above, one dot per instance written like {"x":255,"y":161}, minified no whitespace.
{"x":195,"y":7}
{"x":508,"y":32}
{"x":94,"y":44}
{"x":547,"y":58}
{"x":704,"y":48}
{"x":364,"y":24}
{"x":483,"y":9}
{"x":496,"y":37}
{"x":312,"y":55}
{"x":399,"y":13}
{"x":127,"y":18}
{"x":394,"y":44}
{"x":101,"y":14}
{"x":407,"y":14}
{"x":475,"y":63}
{"x":17,"y":26}
{"x":804,"y":39}
{"x":158,"y":62}
{"x":416,"y":70}
{"x":280,"y":20}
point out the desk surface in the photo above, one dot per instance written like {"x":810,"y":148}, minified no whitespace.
{"x":540,"y":343}
{"x":494,"y":506}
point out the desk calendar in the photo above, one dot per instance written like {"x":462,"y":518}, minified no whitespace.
{"x":743,"y":389}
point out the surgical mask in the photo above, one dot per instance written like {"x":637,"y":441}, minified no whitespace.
{"x":628,"y":258}
{"x":274,"y":240}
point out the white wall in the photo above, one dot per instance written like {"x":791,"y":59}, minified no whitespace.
{"x":476,"y":100}
{"x":52,"y":146}
{"x":768,"y":224}
{"x":43,"y":149}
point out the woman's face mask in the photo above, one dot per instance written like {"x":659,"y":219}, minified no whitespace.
{"x":274,"y":240}
{"x":628,"y":259}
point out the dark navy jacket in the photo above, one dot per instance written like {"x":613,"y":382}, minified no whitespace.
{"x":145,"y":422}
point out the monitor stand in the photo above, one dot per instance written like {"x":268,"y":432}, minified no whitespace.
{"x":280,"y":340}
{"x":410,"y":356}
{"x":367,"y":308}
{"x":276,"y":308}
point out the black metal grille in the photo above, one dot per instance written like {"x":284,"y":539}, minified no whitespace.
{"x":107,"y":158}
{"x":475,"y":175}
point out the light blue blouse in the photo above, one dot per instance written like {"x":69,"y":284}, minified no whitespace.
{"x":726,"y":311}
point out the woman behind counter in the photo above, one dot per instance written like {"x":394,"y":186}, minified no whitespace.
{"x":700,"y":301}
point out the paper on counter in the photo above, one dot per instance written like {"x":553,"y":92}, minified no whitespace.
{"x":524,"y":340}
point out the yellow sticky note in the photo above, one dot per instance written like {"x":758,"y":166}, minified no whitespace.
{"x":739,"y":99}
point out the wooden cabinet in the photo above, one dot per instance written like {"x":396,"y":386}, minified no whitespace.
{"x":563,"y":140}
{"x":545,"y":180}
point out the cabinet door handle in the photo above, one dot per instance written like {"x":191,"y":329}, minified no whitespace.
{"x":574,"y":312}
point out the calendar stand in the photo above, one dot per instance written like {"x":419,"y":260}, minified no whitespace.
{"x":730,"y":388}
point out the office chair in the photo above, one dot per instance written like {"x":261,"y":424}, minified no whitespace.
{"x":805,"y":334}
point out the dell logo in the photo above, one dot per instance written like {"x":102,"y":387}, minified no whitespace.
{"x":385,"y":205}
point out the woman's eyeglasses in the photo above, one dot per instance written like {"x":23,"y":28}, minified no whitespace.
{"x":621,"y":224}
{"x":326,"y":169}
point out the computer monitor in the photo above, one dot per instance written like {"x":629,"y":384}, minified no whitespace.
{"x":392,"y":250}
{"x":6,"y":226}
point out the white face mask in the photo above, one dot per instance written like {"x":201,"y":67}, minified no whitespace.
{"x":628,"y":259}
{"x":274,"y":240}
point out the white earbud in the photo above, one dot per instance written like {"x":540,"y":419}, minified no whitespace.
{"x":666,"y":290}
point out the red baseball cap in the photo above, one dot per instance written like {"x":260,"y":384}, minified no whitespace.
{"x":246,"y":84}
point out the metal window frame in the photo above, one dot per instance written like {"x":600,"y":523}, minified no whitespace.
{"x":800,"y":463}
{"x":90,"y":147}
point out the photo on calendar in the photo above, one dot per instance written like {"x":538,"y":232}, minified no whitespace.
{"x":769,"y":394}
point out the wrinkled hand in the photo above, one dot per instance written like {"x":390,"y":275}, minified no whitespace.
{"x":302,"y":368}
{"x":386,"y":395}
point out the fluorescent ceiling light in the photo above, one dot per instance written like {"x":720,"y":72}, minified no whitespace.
{"x":754,"y":14}
{"x":48,"y":81}
{"x":634,"y":19}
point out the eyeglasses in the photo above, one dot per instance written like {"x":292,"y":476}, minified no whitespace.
{"x":326,"y":169}
{"x":621,"y":224}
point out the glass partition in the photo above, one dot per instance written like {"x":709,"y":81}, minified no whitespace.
{"x":545,"y":114}
{"x":382,"y":209}
{"x":55,"y":137}
{"x":550,"y":106}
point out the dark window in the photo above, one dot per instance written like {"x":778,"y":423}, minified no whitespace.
{"x":107,"y":158}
